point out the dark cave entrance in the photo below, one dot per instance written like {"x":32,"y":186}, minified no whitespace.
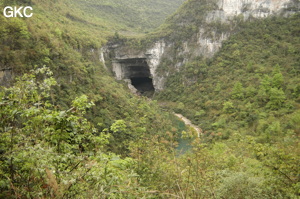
{"x":144,"y":85}
{"x":138,"y":71}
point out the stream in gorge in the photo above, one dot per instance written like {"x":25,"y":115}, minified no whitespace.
{"x":184,"y":143}
{"x":140,"y":84}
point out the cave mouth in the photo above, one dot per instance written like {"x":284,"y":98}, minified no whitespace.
{"x":144,"y":85}
{"x":138,"y":72}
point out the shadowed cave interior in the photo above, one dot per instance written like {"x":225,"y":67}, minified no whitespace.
{"x":144,"y":85}
{"x":137,"y":70}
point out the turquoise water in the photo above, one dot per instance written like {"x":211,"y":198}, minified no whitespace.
{"x":184,"y":145}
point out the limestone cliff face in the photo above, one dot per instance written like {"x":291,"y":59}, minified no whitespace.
{"x":256,"y":8}
{"x":209,"y":37}
{"x":207,"y":41}
{"x":125,"y":57}
{"x":228,"y":10}
{"x":153,"y":59}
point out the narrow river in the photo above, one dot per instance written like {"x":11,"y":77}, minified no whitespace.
{"x":184,"y":143}
{"x":189,"y":123}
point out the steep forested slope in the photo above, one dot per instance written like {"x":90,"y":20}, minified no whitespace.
{"x":135,"y":15}
{"x":251,"y":85}
{"x":57,"y":38}
{"x":185,"y":21}
{"x":246,"y":99}
{"x":69,"y":130}
{"x":67,"y":111}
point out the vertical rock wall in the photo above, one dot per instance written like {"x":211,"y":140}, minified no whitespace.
{"x":154,"y":56}
{"x":207,"y":41}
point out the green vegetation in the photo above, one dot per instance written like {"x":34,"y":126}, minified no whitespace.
{"x":246,"y":100}
{"x":252,"y":80}
{"x":186,"y":21}
{"x":69,"y":130}
{"x":136,"y":15}
{"x":74,"y":60}
{"x":51,"y":153}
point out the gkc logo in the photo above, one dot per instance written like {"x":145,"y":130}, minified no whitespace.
{"x":17,"y":11}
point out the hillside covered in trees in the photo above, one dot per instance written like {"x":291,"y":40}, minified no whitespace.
{"x":68,"y":129}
